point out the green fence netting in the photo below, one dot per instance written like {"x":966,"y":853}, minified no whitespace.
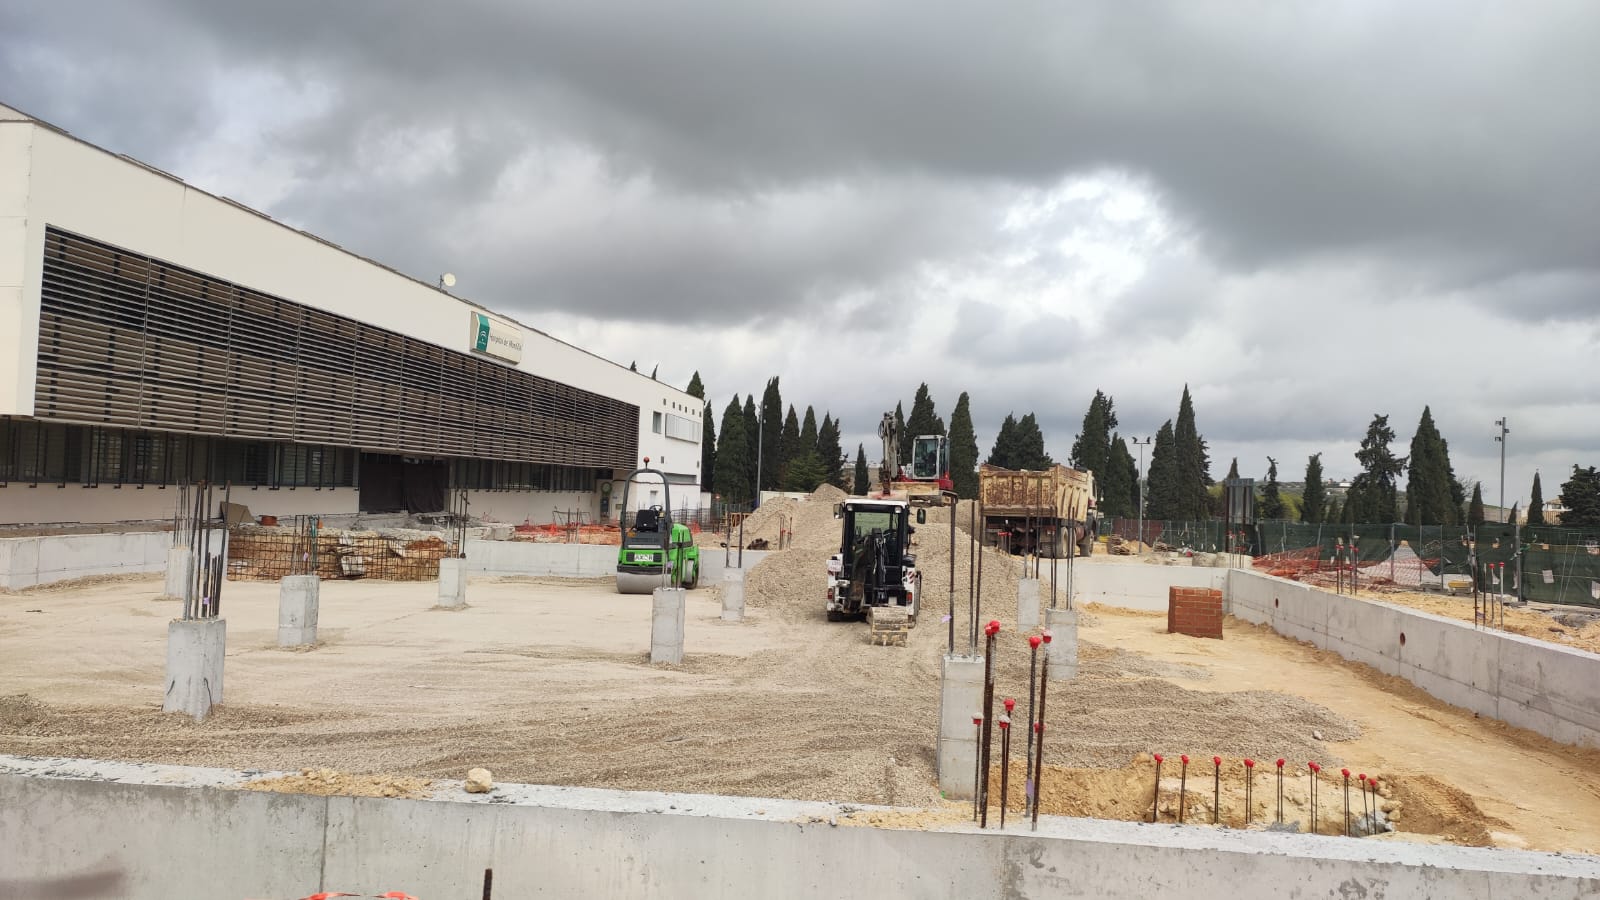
{"x":1544,"y":564}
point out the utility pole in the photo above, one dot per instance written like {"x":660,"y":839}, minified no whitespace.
{"x":1141,"y":444}
{"x":761,"y":432}
{"x":1501,"y":440}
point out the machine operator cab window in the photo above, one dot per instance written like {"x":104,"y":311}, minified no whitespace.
{"x":926,"y":458}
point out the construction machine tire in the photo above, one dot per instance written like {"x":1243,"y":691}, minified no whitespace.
{"x":835,"y":615}
{"x":693,"y":580}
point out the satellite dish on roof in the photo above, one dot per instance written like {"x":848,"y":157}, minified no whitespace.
{"x":447,"y":280}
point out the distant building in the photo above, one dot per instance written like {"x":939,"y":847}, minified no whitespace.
{"x":152,"y":333}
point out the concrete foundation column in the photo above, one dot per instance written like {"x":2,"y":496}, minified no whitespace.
{"x":452,"y":583}
{"x":1063,"y":646}
{"x":1028,"y":603}
{"x":297,"y":610}
{"x":666,"y":625}
{"x":960,"y":698}
{"x":195,"y":648}
{"x":179,"y":564}
{"x":733,"y":596}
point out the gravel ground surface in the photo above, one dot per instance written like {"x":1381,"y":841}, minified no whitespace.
{"x":549,"y":682}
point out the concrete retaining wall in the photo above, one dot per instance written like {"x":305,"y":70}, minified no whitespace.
{"x":489,"y":558}
{"x":29,"y":561}
{"x":1531,"y":684}
{"x":1138,"y":586}
{"x":174,"y":832}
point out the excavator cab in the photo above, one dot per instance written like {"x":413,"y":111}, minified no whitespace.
{"x":930,"y":457}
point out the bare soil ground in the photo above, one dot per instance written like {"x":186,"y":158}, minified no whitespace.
{"x":549,"y":682}
{"x":1527,"y":621}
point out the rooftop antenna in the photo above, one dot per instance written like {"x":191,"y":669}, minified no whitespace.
{"x":447,"y":280}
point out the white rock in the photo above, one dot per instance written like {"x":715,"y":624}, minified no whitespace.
{"x":479,"y":781}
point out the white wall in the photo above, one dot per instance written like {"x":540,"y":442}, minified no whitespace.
{"x":15,"y":366}
{"x":1543,"y":687}
{"x":49,"y":504}
{"x":536,"y":507}
{"x":81,"y":188}
{"x":583,"y":842}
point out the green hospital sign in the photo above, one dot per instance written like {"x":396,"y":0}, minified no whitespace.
{"x":495,"y":338}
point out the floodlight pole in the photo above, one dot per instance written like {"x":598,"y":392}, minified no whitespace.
{"x":1501,"y":440}
{"x":1141,"y":444}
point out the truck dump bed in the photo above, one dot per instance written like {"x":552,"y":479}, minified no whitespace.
{"x":1047,"y":493}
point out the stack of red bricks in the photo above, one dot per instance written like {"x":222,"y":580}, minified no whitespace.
{"x":1194,"y":611}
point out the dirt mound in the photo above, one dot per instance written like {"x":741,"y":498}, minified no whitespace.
{"x":333,"y":783}
{"x":1429,"y":806}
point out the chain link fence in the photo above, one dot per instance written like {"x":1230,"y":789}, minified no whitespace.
{"x":1542,"y":563}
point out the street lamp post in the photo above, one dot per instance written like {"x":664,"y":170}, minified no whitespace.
{"x":1141,"y":444}
{"x":761,"y":432}
{"x":1501,"y":440}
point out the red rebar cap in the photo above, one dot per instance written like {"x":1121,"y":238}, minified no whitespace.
{"x":1004,"y":723}
{"x":1345,"y":772}
{"x":1038,"y":728}
{"x":1362,"y":776}
{"x":1184,"y":758}
{"x":1314,"y":767}
{"x":977,"y":720}
{"x":1011,"y":704}
{"x":1280,"y":763}
{"x":1249,"y":764}
{"x":1157,"y":758}
{"x":992,"y":628}
{"x":1046,"y":637}
{"x":1216,"y":761}
{"x":1033,"y":641}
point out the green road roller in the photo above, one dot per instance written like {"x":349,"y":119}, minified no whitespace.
{"x":655,"y":551}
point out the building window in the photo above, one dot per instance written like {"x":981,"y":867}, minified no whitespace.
{"x":655,"y":422}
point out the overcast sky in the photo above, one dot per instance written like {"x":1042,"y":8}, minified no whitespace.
{"x":1309,"y":212}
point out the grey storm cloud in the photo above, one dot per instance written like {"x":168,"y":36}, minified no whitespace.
{"x":1359,"y":203}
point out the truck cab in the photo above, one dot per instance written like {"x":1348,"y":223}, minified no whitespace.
{"x":874,"y":565}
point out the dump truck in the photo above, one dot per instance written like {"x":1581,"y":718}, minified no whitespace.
{"x":1045,"y":512}
{"x":656,"y":551}
{"x":874,"y":567}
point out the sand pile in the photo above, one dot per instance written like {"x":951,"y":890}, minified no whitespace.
{"x":333,"y":783}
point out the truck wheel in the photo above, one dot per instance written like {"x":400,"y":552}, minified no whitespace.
{"x":835,"y":615}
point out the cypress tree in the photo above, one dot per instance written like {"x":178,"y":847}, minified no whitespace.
{"x":1313,"y":503}
{"x":924,"y":419}
{"x":1122,"y":457}
{"x":1091,"y":452}
{"x":1536,"y":502}
{"x":752,"y":436}
{"x":829,"y":451}
{"x":1271,"y":500}
{"x":902,"y":449}
{"x":1004,"y":453}
{"x":708,"y":449}
{"x":1114,"y":481}
{"x":1030,"y":445}
{"x":1580,"y":494}
{"x":1475,"y":511}
{"x":1193,"y":465}
{"x":963,"y":449}
{"x":863,"y":485}
{"x":788,"y":445}
{"x":1428,"y":492}
{"x":808,"y":431}
{"x":732,"y":476}
{"x":1373,"y":491}
{"x":1161,"y":480}
{"x":771,"y":444}
{"x":708,"y":435}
